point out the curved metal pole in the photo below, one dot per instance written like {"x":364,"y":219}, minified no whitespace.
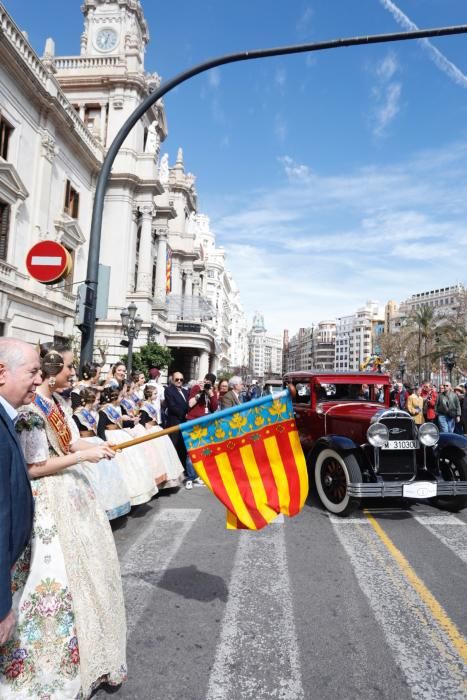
{"x":87,"y":339}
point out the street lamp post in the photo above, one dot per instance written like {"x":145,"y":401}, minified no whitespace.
{"x":92,"y":274}
{"x":131,"y":326}
{"x":450,"y":362}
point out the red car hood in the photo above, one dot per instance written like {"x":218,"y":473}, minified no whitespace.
{"x":360,"y":410}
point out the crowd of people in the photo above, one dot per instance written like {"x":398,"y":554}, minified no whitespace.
{"x":446,"y":406}
{"x":65,"y":474}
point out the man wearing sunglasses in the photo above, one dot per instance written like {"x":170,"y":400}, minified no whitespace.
{"x":176,"y":408}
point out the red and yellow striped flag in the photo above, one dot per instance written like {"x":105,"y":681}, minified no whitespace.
{"x":250,"y":457}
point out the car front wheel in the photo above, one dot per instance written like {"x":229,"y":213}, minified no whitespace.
{"x":333,"y":473}
{"x":453,"y":468}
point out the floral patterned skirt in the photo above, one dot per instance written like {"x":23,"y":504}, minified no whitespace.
{"x":42,"y":660}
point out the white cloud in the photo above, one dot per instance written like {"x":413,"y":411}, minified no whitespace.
{"x":318,"y":246}
{"x":280,"y":77}
{"x":386,"y":93}
{"x":214,"y":78}
{"x":304,"y":23}
{"x":438,"y":58}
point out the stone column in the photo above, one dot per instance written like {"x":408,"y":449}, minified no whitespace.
{"x":103,"y":124}
{"x":188,"y":282}
{"x":203,"y":363}
{"x":44,"y":179}
{"x":145,"y":250}
{"x":82,"y":112}
{"x":161,"y":267}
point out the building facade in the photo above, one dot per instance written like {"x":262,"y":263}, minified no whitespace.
{"x":58,"y":115}
{"x":357,"y":336}
{"x":265,"y":351}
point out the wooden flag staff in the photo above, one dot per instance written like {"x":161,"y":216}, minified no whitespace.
{"x":145,"y":438}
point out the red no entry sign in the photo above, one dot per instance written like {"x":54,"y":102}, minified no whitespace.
{"x":48,"y":262}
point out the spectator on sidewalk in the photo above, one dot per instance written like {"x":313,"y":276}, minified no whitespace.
{"x":429,"y":396}
{"x":415,"y":405}
{"x":448,"y":409}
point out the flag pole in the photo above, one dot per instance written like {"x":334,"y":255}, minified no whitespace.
{"x":145,"y":438}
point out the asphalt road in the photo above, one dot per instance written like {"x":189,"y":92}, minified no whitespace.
{"x":315,"y":607}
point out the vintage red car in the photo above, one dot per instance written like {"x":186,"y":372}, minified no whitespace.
{"x":357,"y":446}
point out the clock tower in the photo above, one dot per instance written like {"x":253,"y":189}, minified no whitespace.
{"x":115,"y":28}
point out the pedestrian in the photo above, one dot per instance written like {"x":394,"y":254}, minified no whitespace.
{"x":176,"y":408}
{"x":105,"y":478}
{"x":464,"y":410}
{"x":448,"y":409}
{"x":112,"y":425}
{"x":71,"y":633}
{"x":459,"y":427}
{"x":222,"y":389}
{"x":19,"y":376}
{"x":415,"y":405}
{"x":232,"y":397}
{"x":429,"y":396}
{"x":202,"y":400}
{"x":117,"y":375}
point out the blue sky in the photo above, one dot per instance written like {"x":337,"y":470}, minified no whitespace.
{"x":330,"y":178}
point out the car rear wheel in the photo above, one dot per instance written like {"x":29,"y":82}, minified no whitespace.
{"x":333,"y":473}
{"x":453,"y":468}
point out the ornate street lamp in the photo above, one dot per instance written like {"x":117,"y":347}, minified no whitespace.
{"x":152,"y":332}
{"x":450,"y":362}
{"x":131,"y":326}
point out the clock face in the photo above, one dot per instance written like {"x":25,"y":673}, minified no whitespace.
{"x":106,"y":39}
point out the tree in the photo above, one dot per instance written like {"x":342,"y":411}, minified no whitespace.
{"x":151,"y":355}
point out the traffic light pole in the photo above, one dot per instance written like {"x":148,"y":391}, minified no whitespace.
{"x":88,"y":328}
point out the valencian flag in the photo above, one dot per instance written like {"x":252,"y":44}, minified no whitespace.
{"x":251,"y":458}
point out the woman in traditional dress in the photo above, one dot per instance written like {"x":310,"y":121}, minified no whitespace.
{"x":116,"y":375}
{"x":105,"y":478}
{"x":172,"y":475}
{"x":116,"y":428}
{"x":67,"y":592}
{"x":90,"y":376}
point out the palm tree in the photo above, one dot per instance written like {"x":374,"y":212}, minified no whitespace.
{"x":424,"y":322}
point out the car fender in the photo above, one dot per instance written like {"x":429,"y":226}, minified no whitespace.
{"x":452,"y":442}
{"x":339,"y":443}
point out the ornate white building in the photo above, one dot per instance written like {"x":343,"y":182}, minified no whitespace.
{"x":58,"y":115}
{"x":265,"y":351}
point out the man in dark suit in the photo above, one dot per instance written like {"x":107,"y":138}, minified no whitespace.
{"x":232,"y":397}
{"x":176,"y":408}
{"x":19,"y":376}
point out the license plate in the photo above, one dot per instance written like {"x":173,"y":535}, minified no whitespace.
{"x":401,"y":445}
{"x":419,"y":489}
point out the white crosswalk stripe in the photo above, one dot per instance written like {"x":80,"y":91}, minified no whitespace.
{"x":449,"y":530}
{"x":150,"y":555}
{"x":429,"y":660}
{"x":258,"y":656}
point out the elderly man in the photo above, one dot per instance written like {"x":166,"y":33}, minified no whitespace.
{"x":19,"y":376}
{"x":232,"y":397}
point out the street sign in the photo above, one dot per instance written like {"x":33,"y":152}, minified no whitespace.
{"x":48,"y":262}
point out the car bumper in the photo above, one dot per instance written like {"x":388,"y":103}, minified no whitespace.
{"x":413,"y":489}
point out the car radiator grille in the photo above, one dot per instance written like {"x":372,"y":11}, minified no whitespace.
{"x":398,"y":463}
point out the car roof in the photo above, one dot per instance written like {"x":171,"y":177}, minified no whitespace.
{"x":330,"y":377}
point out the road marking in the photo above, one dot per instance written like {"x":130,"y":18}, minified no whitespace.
{"x":425,"y":642}
{"x":427,"y":597}
{"x":449,"y":530}
{"x":145,"y":563}
{"x":258,"y":625}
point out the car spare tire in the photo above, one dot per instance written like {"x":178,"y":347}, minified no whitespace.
{"x":333,"y":473}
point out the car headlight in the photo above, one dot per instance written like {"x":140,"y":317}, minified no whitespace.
{"x":428,"y":434}
{"x":377,"y":434}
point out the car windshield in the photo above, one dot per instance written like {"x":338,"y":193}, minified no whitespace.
{"x":349,"y":392}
